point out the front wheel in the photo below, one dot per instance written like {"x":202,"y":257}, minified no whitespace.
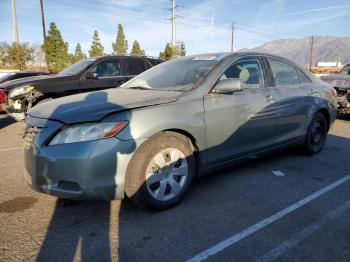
{"x":161,"y":171}
{"x":316,"y":134}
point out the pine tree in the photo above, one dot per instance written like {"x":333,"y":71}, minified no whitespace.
{"x":182,"y":51}
{"x":20,"y":55}
{"x":136,"y":49}
{"x":96,"y":46}
{"x":120,"y":46}
{"x":78,"y":54}
{"x":56,"y":50}
{"x":168,"y":53}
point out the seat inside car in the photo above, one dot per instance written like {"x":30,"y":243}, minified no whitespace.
{"x":250,"y":77}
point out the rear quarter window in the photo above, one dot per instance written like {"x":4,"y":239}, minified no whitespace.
{"x":134,"y":66}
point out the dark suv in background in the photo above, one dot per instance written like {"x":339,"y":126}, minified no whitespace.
{"x":89,"y":74}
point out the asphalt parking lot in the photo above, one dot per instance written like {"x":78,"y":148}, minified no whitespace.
{"x":243,"y":213}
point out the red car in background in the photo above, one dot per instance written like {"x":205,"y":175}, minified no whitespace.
{"x":2,"y":100}
{"x":13,"y":76}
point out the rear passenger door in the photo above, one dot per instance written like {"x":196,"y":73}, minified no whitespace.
{"x":292,"y":89}
{"x":133,"y":66}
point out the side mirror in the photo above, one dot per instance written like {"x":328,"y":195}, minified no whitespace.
{"x":91,"y":75}
{"x":227,"y":86}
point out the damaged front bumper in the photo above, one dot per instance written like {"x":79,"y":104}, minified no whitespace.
{"x":15,"y":108}
{"x":343,"y":100}
{"x":18,"y":106}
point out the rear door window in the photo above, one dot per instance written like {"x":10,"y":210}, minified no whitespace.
{"x":134,"y":66}
{"x":248,"y":71}
{"x":283,"y":73}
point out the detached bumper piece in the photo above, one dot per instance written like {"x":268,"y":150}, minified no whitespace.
{"x":15,"y":109}
{"x":343,"y":100}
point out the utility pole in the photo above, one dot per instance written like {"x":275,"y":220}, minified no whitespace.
{"x":173,"y":25}
{"x":43,"y":18}
{"x":311,"y":51}
{"x":14,"y":24}
{"x":232,"y":34}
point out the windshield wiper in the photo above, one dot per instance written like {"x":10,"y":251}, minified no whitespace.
{"x":140,"y":87}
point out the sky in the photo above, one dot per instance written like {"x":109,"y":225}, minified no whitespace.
{"x":204,"y":26}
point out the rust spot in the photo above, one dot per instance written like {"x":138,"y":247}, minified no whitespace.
{"x":17,"y":204}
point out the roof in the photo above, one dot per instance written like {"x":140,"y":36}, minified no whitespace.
{"x":127,"y":55}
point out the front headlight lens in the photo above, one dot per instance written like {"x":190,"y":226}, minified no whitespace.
{"x":87,"y":132}
{"x":20,"y":91}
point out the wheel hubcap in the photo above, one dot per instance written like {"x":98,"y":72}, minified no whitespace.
{"x":166,"y":174}
{"x":316,"y":133}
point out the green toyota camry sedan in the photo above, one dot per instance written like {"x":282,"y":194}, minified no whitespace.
{"x":151,"y":137}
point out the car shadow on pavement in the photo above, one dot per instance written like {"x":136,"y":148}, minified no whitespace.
{"x":224,"y":201}
{"x":6,"y":121}
{"x":77,"y":229}
{"x":343,"y":117}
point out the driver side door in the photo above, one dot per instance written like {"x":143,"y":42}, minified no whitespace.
{"x":242,"y":122}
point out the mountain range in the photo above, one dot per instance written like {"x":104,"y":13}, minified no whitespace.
{"x":325,"y":49}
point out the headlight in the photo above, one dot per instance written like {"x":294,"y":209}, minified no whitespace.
{"x":87,"y":132}
{"x":20,"y":91}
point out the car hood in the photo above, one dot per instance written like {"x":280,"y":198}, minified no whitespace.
{"x":27,"y":81}
{"x":337,"y":80}
{"x":94,"y":106}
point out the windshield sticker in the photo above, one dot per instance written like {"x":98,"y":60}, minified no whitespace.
{"x":204,"y":58}
{"x":209,"y":57}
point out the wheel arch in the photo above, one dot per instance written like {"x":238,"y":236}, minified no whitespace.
{"x":326,"y":113}
{"x":186,"y":134}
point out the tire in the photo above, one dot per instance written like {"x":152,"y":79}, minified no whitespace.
{"x":316,"y":135}
{"x":161,"y":171}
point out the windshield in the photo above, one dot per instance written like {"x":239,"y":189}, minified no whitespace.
{"x":77,"y":67}
{"x":346,"y":70}
{"x":180,"y":74}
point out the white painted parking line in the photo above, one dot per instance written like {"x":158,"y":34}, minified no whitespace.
{"x":263,"y":223}
{"x":11,"y":148}
{"x":290,"y":243}
{"x":278,"y":173}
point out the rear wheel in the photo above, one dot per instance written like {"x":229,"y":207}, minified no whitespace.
{"x":316,"y":134}
{"x":161,"y":171}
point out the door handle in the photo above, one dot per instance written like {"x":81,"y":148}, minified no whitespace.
{"x":270,"y":98}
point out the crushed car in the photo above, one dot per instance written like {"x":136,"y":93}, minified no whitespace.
{"x":341,"y":83}
{"x":13,"y":76}
{"x":89,"y":74}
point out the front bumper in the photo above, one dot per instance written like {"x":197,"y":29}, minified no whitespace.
{"x":343,"y":99}
{"x":93,"y":170}
{"x":15,"y":108}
